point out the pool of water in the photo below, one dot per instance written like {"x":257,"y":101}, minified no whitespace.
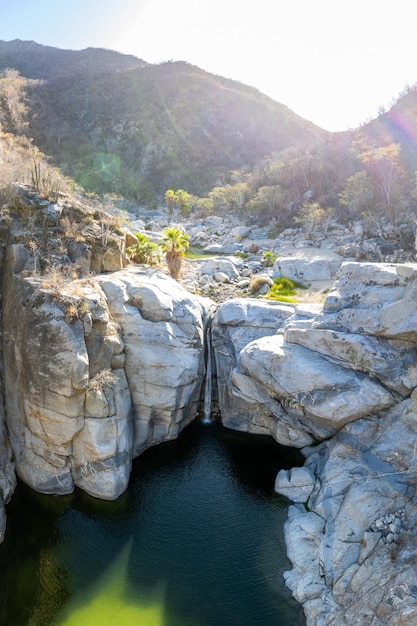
{"x":196,"y":540}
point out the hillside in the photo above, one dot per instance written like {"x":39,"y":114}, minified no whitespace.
{"x":116,"y":123}
{"x":34,"y":60}
{"x":399,"y":125}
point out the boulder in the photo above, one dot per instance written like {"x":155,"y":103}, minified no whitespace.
{"x":361,"y":561}
{"x":393,"y":363}
{"x":241,"y":232}
{"x":325,"y":397}
{"x":374,"y":299}
{"x":296,"y":484}
{"x":163,"y":329}
{"x":226,"y":248}
{"x":217,"y":265}
{"x":221,"y":277}
{"x":235,"y":324}
{"x":305,"y":270}
{"x":303,"y":531}
{"x":95,"y":373}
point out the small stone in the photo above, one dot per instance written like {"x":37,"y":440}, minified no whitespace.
{"x":220,"y":277}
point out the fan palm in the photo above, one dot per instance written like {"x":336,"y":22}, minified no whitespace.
{"x":175,"y":243}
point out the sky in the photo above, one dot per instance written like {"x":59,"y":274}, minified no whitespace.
{"x":333,"y":62}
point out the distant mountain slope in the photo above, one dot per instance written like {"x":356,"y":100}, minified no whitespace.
{"x":116,"y":123}
{"x":398,"y":125}
{"x":34,"y":60}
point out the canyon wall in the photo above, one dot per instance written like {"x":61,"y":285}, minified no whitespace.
{"x":95,"y":371}
{"x":344,"y":374}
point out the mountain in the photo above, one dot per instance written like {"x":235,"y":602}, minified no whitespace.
{"x":116,"y":123}
{"x":34,"y":60}
{"x":398,"y":125}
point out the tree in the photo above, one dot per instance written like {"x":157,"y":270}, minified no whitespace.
{"x":269,"y":202}
{"x":180,"y":198}
{"x":221,"y":200}
{"x":383,"y":166}
{"x":358,"y":195}
{"x":13,"y":109}
{"x":175,"y":243}
{"x":170,"y":199}
{"x":230,"y":198}
{"x":203,"y":206}
{"x":183,"y":200}
{"x":312,"y":216}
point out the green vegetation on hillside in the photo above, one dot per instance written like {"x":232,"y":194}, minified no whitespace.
{"x":208,"y":145}
{"x":140,"y":129}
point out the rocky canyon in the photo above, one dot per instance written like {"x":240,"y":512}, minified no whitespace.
{"x":99,"y":367}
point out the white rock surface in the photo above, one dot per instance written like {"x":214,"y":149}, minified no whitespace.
{"x":305,"y":270}
{"x":296,"y":484}
{"x":326,"y":394}
{"x":349,"y":570}
{"x":95,"y":373}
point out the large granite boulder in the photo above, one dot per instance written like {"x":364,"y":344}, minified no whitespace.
{"x":374,"y":299}
{"x":321,"y":395}
{"x":352,"y":542}
{"x":227,"y":266}
{"x":235,"y":324}
{"x":163,"y":330}
{"x":392,"y":362}
{"x":96,"y":371}
{"x":301,"y":374}
{"x":57,"y":438}
{"x":305,"y":270}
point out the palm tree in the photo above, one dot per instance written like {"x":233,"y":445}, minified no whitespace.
{"x":144,"y":250}
{"x":171,"y":199}
{"x":175,"y":243}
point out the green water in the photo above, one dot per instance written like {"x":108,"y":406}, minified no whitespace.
{"x":196,"y":540}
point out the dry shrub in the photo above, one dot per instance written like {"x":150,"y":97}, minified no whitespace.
{"x":72,"y":230}
{"x":71,"y":313}
{"x":21,"y":161}
{"x":257,"y":282}
{"x":56,"y":277}
{"x":253,"y":248}
{"x":101,"y":380}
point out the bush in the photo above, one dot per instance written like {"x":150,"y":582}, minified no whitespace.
{"x":257,"y":283}
{"x":144,"y":251}
{"x":283,"y":289}
{"x":268,"y":258}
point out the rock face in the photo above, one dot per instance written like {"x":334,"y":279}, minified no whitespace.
{"x":353,"y":542}
{"x":163,"y":331}
{"x":243,"y":404}
{"x":7,"y":474}
{"x":344,"y":374}
{"x":303,"y":373}
{"x":96,"y":371}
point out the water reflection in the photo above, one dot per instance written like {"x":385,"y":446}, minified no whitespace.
{"x":195,"y":541}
